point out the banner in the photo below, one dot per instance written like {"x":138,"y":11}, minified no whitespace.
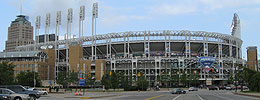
{"x":146,"y":48}
{"x":167,"y":47}
{"x":207,"y":61}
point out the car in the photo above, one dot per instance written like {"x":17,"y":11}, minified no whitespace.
{"x":14,"y":96}
{"x":5,"y":97}
{"x":193,"y":89}
{"x":212,"y":87}
{"x":21,"y":90}
{"x":238,"y":87}
{"x":228,"y":88}
{"x":245,"y":87}
{"x":178,"y":91}
{"x":221,"y":87}
{"x":40,"y":91}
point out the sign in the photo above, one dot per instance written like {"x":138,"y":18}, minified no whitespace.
{"x":167,"y":47}
{"x":80,"y":75}
{"x":48,"y":82}
{"x":82,"y":82}
{"x":188,"y":47}
{"x":208,"y":82}
{"x":207,"y":61}
{"x":146,"y":48}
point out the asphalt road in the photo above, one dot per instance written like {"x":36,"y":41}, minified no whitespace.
{"x":194,"y":95}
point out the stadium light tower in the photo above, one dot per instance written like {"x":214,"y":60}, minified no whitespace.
{"x":57,"y":30}
{"x":81,"y":20}
{"x":94,"y":17}
{"x":47,"y":26}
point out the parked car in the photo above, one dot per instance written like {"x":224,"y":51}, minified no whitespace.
{"x":14,"y":96}
{"x":21,"y":90}
{"x":245,"y":88}
{"x":228,"y":88}
{"x":40,"y":91}
{"x":238,"y":87}
{"x":212,"y":87}
{"x":193,"y":89}
{"x":5,"y":97}
{"x":178,"y":91}
{"x":221,"y":87}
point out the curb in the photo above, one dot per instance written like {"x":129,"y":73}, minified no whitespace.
{"x":258,"y":96}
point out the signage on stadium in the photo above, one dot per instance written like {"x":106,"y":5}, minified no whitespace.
{"x":207,"y":61}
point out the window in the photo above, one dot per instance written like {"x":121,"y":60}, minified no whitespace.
{"x":17,"y":66}
{"x":25,"y":65}
{"x":29,"y":66}
{"x":21,"y":66}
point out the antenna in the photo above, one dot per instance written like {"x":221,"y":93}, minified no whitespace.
{"x":21,"y":8}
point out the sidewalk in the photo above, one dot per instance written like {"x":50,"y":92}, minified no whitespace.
{"x":248,"y":94}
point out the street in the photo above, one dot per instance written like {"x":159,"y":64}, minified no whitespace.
{"x":158,"y":95}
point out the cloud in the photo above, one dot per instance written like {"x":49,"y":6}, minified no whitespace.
{"x":171,"y":9}
{"x":220,"y":4}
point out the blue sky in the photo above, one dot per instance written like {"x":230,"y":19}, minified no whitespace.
{"x":139,"y":15}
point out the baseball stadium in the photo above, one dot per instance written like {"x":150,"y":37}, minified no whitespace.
{"x":155,"y":54}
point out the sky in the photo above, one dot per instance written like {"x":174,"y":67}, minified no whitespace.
{"x":140,"y":15}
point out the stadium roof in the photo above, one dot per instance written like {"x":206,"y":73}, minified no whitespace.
{"x":22,"y":54}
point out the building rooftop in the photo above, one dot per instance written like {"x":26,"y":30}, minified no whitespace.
{"x":21,"y":19}
{"x":22,"y":54}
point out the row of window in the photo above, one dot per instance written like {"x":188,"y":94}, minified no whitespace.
{"x":25,"y":66}
{"x":17,"y":72}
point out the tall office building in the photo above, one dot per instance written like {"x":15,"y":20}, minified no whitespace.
{"x":20,"y":33}
{"x":252,"y":62}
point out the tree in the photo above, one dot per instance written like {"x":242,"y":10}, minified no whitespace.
{"x":194,"y":79}
{"x":183,"y":79}
{"x":73,"y":77}
{"x":27,"y":78}
{"x":175,"y":79}
{"x":62,"y":78}
{"x":106,"y":81}
{"x":142,"y":83}
{"x":114,"y":80}
{"x":6,"y":73}
{"x":65,"y":78}
{"x":90,"y":80}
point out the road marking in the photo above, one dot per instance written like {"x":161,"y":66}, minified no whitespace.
{"x":199,"y":97}
{"x":153,"y":97}
{"x":176,"y":97}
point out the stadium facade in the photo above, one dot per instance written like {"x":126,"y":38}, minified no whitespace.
{"x":151,"y":53}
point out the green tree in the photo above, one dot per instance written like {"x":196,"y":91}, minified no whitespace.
{"x":62,"y":78}
{"x":142,"y":83}
{"x":90,"y":80}
{"x":106,"y":81}
{"x":73,"y":77}
{"x":194,"y":79}
{"x":175,"y":79}
{"x":27,"y":78}
{"x":6,"y":73}
{"x":114,"y":80}
{"x":183,"y":79}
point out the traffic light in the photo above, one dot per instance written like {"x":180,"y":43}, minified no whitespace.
{"x":139,"y":74}
{"x":194,"y":72}
{"x":212,"y":69}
